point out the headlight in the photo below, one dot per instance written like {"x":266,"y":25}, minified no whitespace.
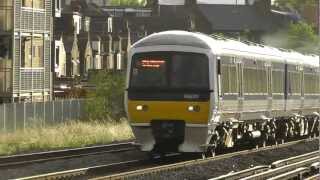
{"x":141,"y":107}
{"x":193,"y":108}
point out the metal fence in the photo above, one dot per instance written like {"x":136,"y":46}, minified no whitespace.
{"x":17,"y":116}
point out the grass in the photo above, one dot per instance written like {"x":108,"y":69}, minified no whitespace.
{"x":72,"y":134}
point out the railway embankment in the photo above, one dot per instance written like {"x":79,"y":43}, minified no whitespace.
{"x":68,"y":159}
{"x":223,"y":164}
{"x":107,"y":165}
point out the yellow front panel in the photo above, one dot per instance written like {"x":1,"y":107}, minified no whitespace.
{"x":171,"y":110}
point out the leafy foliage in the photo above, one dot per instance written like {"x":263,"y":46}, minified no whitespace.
{"x":296,"y":4}
{"x":135,"y":3}
{"x":107,"y":100}
{"x":297,"y":36}
{"x":302,"y":37}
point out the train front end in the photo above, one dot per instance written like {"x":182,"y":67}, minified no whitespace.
{"x":169,"y":95}
{"x":168,"y":99}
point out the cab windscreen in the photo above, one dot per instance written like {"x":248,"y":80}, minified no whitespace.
{"x":170,"y":70}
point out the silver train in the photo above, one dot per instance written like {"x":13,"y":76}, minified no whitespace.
{"x":190,"y":92}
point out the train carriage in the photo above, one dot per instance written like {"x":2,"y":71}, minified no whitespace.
{"x":190,"y":92}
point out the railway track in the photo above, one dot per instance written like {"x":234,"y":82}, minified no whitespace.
{"x":94,"y":171}
{"x":18,"y":160}
{"x":291,"y":169}
{"x":314,"y":177}
{"x":145,"y":168}
{"x":284,"y":169}
{"x":86,"y":173}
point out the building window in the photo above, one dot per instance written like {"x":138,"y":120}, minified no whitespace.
{"x":38,"y":4}
{"x":37,"y":54}
{"x":32,"y":52}
{"x":27,"y":3}
{"x":5,"y":63}
{"x":57,"y":4}
{"x":5,"y":47}
{"x":26,"y":53}
{"x":77,"y":23}
{"x":6,"y":20}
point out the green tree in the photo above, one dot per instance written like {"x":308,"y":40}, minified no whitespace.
{"x":296,"y":4}
{"x":297,"y":36}
{"x":302,"y":37}
{"x":135,"y":3}
{"x":106,"y":102}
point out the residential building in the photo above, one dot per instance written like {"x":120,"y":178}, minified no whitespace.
{"x":94,"y":34}
{"x":25,"y":50}
{"x":232,"y":17}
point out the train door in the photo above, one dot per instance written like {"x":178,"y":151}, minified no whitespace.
{"x":239,"y":70}
{"x":269,"y":86}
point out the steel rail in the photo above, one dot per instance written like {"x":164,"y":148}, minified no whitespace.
{"x":84,"y":172}
{"x":285,"y":169}
{"x":314,"y":177}
{"x":242,"y":174}
{"x":276,"y":164}
{"x":292,"y":174}
{"x":294,"y":159}
{"x":176,"y":166}
{"x":16,"y":160}
{"x":94,"y":170}
{"x":61,"y":175}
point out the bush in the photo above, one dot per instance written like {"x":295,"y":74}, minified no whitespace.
{"x":71,"y":134}
{"x":106,"y":101}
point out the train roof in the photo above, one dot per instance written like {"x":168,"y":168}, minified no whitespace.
{"x":230,"y":47}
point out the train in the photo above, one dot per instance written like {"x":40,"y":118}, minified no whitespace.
{"x":192,"y":92}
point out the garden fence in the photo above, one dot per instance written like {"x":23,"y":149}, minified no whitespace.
{"x":20,"y":116}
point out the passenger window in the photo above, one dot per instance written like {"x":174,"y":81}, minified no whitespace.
{"x":255,"y":77}
{"x":311,"y":81}
{"x":277,"y":78}
{"x":228,"y":76}
{"x":294,"y":80}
